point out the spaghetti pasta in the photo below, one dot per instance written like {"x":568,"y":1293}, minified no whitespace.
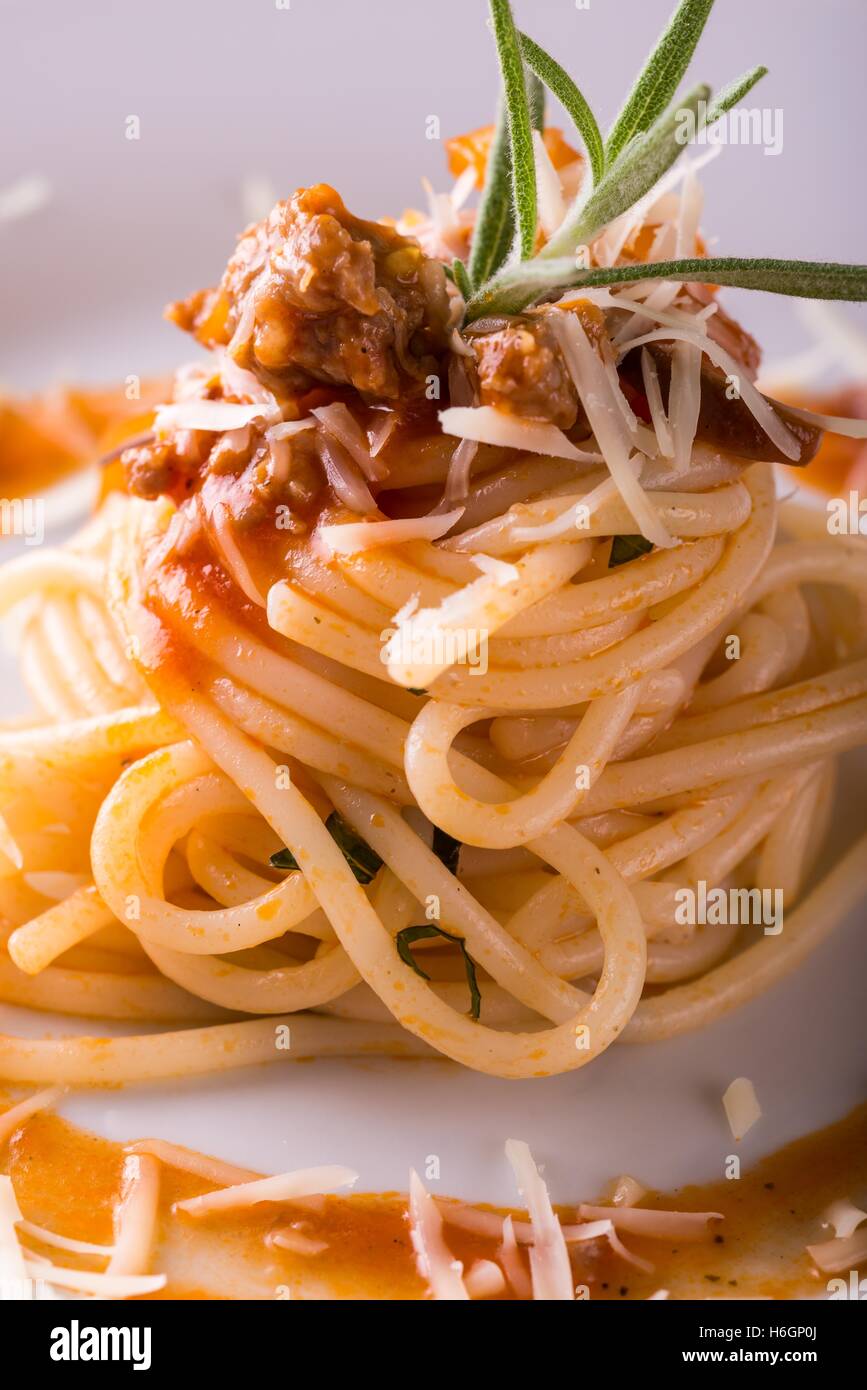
{"x":322,"y":685}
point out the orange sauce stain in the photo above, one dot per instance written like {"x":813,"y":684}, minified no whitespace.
{"x":841,"y":463}
{"x":45,"y":438}
{"x":68,"y":1180}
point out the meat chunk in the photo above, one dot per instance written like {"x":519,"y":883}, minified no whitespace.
{"x":313,"y":294}
{"x":520,"y":369}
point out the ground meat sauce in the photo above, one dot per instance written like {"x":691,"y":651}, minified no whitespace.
{"x":313,"y":294}
{"x":319,"y":305}
{"x":520,"y":369}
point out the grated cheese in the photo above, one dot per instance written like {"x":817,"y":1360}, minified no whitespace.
{"x":844,"y":1217}
{"x":834,"y":424}
{"x":626,"y":1191}
{"x":353,"y":536}
{"x":741,"y":1106}
{"x":841,"y":1253}
{"x":499,"y":570}
{"x":14,"y":1276}
{"x":230,"y":552}
{"x":512,"y":1263}
{"x":135,"y":1216}
{"x":339,"y":422}
{"x":485,"y":1279}
{"x":73,"y":1247}
{"x":550,"y":1271}
{"x":92,"y":1282}
{"x":684,"y":402}
{"x":607,"y":423}
{"x":435,"y":1262}
{"x":288,"y":1238}
{"x":486,"y":425}
{"x":764,"y":413}
{"x":287,"y":428}
{"x":656,"y":1225}
{"x":217,"y":416}
{"x":282,"y":1187}
{"x":653,"y":392}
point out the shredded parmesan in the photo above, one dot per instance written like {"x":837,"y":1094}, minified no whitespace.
{"x":55,"y":883}
{"x":653,"y":392}
{"x":339,"y":422}
{"x":607,"y":423}
{"x":499,"y":570}
{"x":9,"y":845}
{"x":435,"y":1261}
{"x":283,"y":1187}
{"x":90,"y":1281}
{"x":486,"y":425}
{"x":764,"y":413}
{"x":741,"y":1106}
{"x":458,"y":477}
{"x":512,"y":1264}
{"x":485,"y":1279}
{"x":841,"y":1253}
{"x":344,"y":476}
{"x":835,"y":424}
{"x":207,"y":415}
{"x":188,"y":1161}
{"x":287,"y":428}
{"x":656,"y":1225}
{"x":230,"y":553}
{"x":135,"y":1216}
{"x":844,"y":1217}
{"x":574,"y":517}
{"x":604,"y":1229}
{"x":288,"y":1238}
{"x":353,"y":536}
{"x":549,"y":1257}
{"x":73,"y":1247}
{"x":684,"y":402}
{"x":626,"y":1191}
{"x":14,"y":1276}
{"x":381,"y":433}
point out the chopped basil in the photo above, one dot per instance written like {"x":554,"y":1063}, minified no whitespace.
{"x":283,"y":859}
{"x":364,"y":862}
{"x":404,"y":940}
{"x":627,"y":548}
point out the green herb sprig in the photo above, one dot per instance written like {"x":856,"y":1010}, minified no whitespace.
{"x":659,"y":79}
{"x":626,"y":548}
{"x":645,"y":140}
{"x":522,"y":158}
{"x":364,"y":862}
{"x":404,"y":939}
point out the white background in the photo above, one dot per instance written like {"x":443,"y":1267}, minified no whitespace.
{"x":339,"y":90}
